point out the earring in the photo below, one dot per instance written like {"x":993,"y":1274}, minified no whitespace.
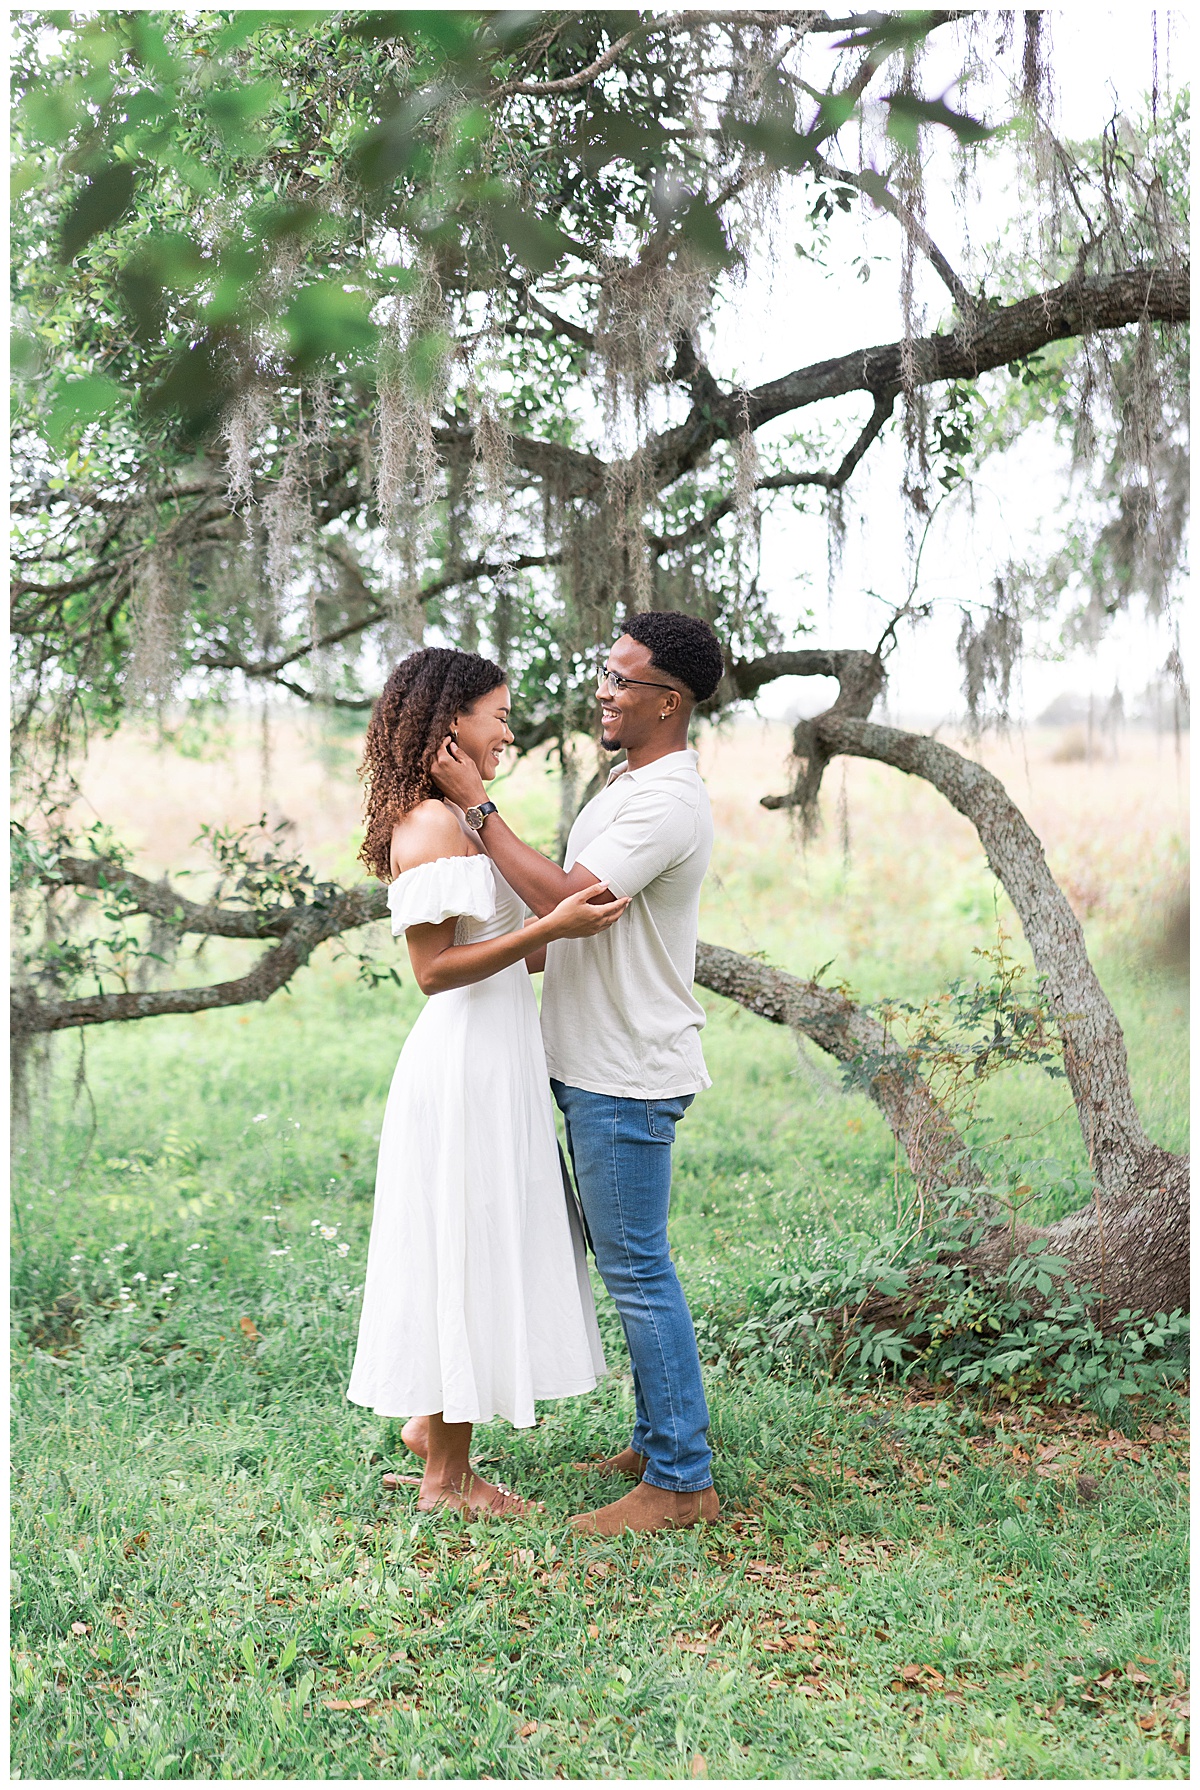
{"x":663,"y":716}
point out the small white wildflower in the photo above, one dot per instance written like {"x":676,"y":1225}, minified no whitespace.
{"x":329,"y":1232}
{"x":118,"y":1247}
{"x":77,"y":1258}
{"x":192,"y":1246}
{"x":173,"y":1275}
{"x":286,"y":1250}
{"x":313,"y":1223}
{"x":343,"y":1249}
{"x":140,"y":1276}
{"x":258,"y":1118}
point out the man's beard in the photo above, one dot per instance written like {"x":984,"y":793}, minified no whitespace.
{"x":610,"y":745}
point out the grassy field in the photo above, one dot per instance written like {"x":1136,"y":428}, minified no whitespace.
{"x":208,"y":1581}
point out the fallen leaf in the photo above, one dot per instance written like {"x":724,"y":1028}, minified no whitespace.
{"x":1147,"y":1722}
{"x":527,"y":1730}
{"x":81,"y":1628}
{"x":136,"y":1544}
{"x":348,"y":1702}
{"x":593,"y":1631}
{"x":687,"y":1646}
{"x":249,"y":1329}
{"x":699,"y":1766}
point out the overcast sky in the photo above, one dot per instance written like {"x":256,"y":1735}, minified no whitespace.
{"x":790,"y":313}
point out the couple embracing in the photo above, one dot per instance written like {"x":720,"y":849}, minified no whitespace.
{"x":477,"y":1298}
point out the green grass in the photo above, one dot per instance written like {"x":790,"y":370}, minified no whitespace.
{"x":903,"y":1586}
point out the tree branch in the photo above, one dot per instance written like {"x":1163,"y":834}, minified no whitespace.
{"x":936,"y":1153}
{"x":306,"y":929}
{"x":783,"y":481}
{"x":875,"y":187}
{"x":1094,"y":1046}
{"x":1008,"y":333}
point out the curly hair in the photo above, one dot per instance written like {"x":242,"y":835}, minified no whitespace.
{"x":408,"y":724}
{"x":682,"y":646}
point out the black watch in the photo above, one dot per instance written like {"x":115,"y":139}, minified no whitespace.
{"x":475,"y":817}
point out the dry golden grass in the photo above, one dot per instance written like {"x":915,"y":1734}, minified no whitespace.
{"x":911,"y":895}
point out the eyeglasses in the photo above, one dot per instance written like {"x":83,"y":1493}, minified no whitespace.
{"x":617,"y":682}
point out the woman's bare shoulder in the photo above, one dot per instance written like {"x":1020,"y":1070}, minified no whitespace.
{"x":428,"y":831}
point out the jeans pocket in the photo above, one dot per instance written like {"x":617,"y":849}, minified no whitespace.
{"x":662,"y":1116}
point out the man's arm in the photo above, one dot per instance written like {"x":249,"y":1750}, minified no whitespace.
{"x":539,"y":882}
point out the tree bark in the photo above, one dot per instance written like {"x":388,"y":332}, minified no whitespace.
{"x":1120,"y":1153}
{"x":1130,"y":1244}
{"x":937,"y":1155}
{"x":299,"y":929}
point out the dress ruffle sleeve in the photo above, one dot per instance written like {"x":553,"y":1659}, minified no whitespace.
{"x":460,"y":887}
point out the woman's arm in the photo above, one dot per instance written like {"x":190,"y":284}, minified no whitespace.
{"x":439,"y":964}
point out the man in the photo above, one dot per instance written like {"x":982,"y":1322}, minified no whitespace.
{"x":622,"y":1034}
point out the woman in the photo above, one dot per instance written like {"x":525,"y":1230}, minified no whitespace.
{"x":477,"y":1300}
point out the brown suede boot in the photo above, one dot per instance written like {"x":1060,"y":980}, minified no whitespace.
{"x":647,"y":1508}
{"x":629,"y":1464}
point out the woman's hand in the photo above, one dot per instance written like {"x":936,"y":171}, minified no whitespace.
{"x":581,"y":916}
{"x":457,"y":776}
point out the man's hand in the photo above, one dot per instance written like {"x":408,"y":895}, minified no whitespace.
{"x":457,"y":776}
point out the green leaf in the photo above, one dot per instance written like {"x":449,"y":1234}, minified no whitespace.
{"x":617,"y":137}
{"x":78,"y":402}
{"x":246,"y":1648}
{"x":782,"y":146}
{"x":702,"y":228}
{"x":537,"y":244}
{"x":890,"y":31}
{"x":25,"y":355}
{"x":392,"y":147}
{"x":325,"y":321}
{"x":234,"y":109}
{"x":906,"y":114}
{"x":245,"y":23}
{"x":150,"y":46}
{"x":288,"y":1656}
{"x":106,"y":197}
{"x":196,"y":388}
{"x":303,"y":1692}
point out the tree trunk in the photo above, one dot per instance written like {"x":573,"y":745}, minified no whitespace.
{"x":1130,"y":1246}
{"x":937,"y":1155}
{"x":1131,"y":1242}
{"x":1120,"y":1153}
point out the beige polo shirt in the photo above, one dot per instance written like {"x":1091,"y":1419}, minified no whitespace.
{"x":618,"y":1012}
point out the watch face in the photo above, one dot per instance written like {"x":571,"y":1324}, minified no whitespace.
{"x":473,"y":818}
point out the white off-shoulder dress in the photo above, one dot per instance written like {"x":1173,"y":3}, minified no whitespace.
{"x":477,"y":1299}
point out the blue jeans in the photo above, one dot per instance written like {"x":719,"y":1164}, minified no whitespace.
{"x":621,"y":1154}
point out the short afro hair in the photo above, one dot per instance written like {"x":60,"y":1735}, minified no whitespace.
{"x":682,"y":646}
